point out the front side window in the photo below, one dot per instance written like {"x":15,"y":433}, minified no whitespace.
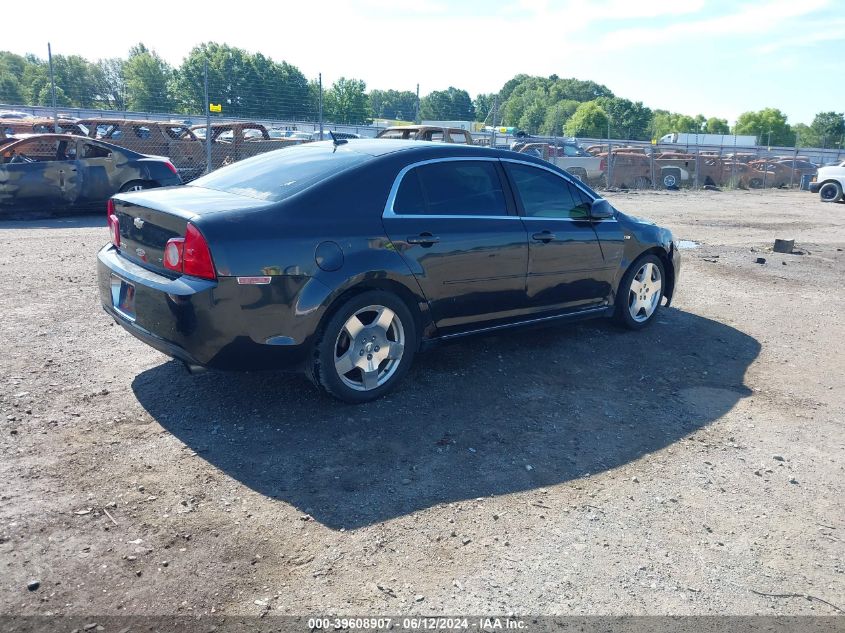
{"x":451,"y":188}
{"x":37,"y":150}
{"x":547,"y":195}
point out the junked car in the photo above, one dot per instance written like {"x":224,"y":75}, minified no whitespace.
{"x":344,"y":259}
{"x":62,"y":172}
{"x":162,"y":138}
{"x":567,"y":156}
{"x":426,"y":133}
{"x":16,"y":127}
{"x":231,"y":142}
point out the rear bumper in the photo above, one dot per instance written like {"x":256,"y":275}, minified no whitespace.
{"x":215,"y":324}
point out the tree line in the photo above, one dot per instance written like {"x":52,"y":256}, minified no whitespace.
{"x":251,"y":85}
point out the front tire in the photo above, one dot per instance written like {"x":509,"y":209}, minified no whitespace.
{"x":640,"y":292}
{"x":365,"y":348}
{"x":830,"y":192}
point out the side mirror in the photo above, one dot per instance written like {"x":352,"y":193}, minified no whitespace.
{"x":601,"y":209}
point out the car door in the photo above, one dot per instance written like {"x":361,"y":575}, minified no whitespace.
{"x":39,"y":173}
{"x":567,"y":270}
{"x":97,"y":171}
{"x":454,"y":223}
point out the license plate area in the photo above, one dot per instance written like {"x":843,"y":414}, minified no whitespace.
{"x":123,"y":297}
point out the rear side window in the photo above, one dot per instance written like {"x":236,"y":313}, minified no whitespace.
{"x":277,"y":175}
{"x":451,"y":188}
{"x":94,"y":151}
{"x":547,"y":195}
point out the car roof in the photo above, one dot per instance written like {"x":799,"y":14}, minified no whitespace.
{"x":101,"y":121}
{"x":78,"y":137}
{"x":383,"y":146}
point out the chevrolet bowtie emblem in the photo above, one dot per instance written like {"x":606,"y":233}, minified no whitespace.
{"x":139,"y":223}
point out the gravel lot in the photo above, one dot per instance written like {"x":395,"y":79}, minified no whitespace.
{"x":687,"y":469}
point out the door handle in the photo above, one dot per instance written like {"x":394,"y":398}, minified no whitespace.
{"x":544,"y":236}
{"x":426,"y":239}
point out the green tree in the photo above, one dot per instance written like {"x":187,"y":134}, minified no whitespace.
{"x":246,"y":85}
{"x":45,"y":97}
{"x":577,"y":90}
{"x":393,"y":104}
{"x":148,"y":79}
{"x":483,"y":105}
{"x":533,"y":117}
{"x":829,"y":128}
{"x":805,"y":136}
{"x":556,"y":117}
{"x":717,"y":126}
{"x":78,"y":79}
{"x":588,"y":120}
{"x":452,"y":104}
{"x":11,"y":75}
{"x":110,"y":87}
{"x":346,"y":102}
{"x":763,"y":122}
{"x":628,"y":120}
{"x":510,"y":86}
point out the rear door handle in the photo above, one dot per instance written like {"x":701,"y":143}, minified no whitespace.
{"x":426,"y":239}
{"x":544,"y":236}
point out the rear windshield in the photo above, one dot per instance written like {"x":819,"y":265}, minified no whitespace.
{"x":277,"y":175}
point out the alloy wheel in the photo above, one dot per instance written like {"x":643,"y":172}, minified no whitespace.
{"x":369,"y":348}
{"x":646,"y":290}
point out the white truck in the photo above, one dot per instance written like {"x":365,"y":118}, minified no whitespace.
{"x":829,"y":183}
{"x":720,"y":140}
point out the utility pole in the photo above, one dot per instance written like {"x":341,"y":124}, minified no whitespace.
{"x":609,"y":155}
{"x":320,"y":80}
{"x":495,"y":112}
{"x":794,"y":156}
{"x":207,"y":122}
{"x":417,"y":109}
{"x":53,"y":90}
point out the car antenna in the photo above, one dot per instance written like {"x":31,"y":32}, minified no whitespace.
{"x":337,"y":141}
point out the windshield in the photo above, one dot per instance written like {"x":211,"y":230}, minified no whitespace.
{"x":277,"y":175}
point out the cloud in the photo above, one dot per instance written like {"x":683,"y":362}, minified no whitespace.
{"x":755,"y":19}
{"x":819,"y":32}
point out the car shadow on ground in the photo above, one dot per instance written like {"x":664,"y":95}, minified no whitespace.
{"x":484,"y":416}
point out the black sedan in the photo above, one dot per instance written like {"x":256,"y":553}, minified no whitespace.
{"x":63,"y":172}
{"x":343,"y":259}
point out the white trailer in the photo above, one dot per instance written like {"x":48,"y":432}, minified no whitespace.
{"x":720,"y":140}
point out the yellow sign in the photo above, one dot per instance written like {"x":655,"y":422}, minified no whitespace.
{"x":215,"y":107}
{"x":654,"y":141}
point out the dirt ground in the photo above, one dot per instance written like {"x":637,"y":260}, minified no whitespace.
{"x":690,"y":468}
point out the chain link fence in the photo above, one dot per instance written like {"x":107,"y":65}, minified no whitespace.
{"x":223,"y":105}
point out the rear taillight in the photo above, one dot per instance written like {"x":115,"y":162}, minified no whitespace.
{"x":603,"y":164}
{"x":170,"y":166}
{"x":189,"y":255}
{"x":109,"y":208}
{"x":114,"y":229}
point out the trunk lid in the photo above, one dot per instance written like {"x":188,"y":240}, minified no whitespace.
{"x":149,"y":218}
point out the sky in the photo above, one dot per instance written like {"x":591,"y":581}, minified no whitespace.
{"x":713,"y":57}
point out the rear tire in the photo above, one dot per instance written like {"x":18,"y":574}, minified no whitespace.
{"x":365,"y":348}
{"x":830,"y":192}
{"x":671,"y":177}
{"x":136,"y":185}
{"x":640,"y":292}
